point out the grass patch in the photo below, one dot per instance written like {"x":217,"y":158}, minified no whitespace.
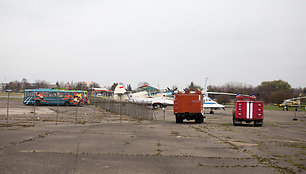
{"x":21,"y":99}
{"x":301,"y":166}
{"x":283,"y":156}
{"x":200,"y":164}
{"x":227,"y":124}
{"x":277,"y":108}
{"x":41,"y":136}
{"x":158,"y":152}
{"x":11,"y":94}
{"x":268,"y":163}
{"x":175,"y":133}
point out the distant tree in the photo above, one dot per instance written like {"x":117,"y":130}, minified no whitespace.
{"x":62,"y":84}
{"x":114,"y":86}
{"x":57,"y":85}
{"x":71,"y":85}
{"x":233,"y":87}
{"x":297,"y":91}
{"x":274,"y":91}
{"x":279,"y":96}
{"x":41,"y":84}
{"x":15,"y":86}
{"x":129,"y":88}
{"x":94,"y":85}
{"x":275,"y":85}
{"x":223,"y":99}
{"x":193,"y":87}
{"x":25,"y":84}
{"x":81,"y":86}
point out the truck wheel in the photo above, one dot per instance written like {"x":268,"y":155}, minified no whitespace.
{"x":236,"y":122}
{"x":258,"y":123}
{"x":178,"y":119}
{"x":202,"y":119}
{"x":199,"y":119}
{"x":156,"y":106}
{"x":37,"y":103}
{"x":211,"y":112}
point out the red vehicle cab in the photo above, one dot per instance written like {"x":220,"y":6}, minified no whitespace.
{"x":247,"y":109}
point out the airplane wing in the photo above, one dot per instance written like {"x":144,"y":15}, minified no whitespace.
{"x":149,"y":89}
{"x":221,"y":93}
{"x":213,"y":106}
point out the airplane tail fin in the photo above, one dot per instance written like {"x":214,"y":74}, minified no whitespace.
{"x":205,"y":87}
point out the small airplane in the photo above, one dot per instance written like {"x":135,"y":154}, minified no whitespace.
{"x":212,"y":105}
{"x":293,"y":102}
{"x":157,"y":102}
{"x":150,"y":96}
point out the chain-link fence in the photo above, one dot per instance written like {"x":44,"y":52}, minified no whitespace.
{"x":141,"y":111}
{"x":100,"y":110}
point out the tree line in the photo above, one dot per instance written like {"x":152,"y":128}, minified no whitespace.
{"x":269,"y":91}
{"x":275,"y":91}
{"x":20,"y":86}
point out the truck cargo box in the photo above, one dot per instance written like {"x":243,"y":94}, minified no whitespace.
{"x":188,"y":105}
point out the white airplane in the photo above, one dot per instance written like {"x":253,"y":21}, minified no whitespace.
{"x":155,"y":102}
{"x":209,"y":103}
{"x":212,"y":105}
{"x":146,"y":97}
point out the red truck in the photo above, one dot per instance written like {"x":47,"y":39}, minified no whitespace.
{"x":248,"y":109}
{"x":189,"y":106}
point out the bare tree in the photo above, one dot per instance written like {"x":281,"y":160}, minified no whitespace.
{"x":41,"y":84}
{"x":193,"y":87}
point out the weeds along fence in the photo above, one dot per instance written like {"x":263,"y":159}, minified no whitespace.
{"x":140,"y":111}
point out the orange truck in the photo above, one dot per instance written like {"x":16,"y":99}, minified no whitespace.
{"x":189,"y":106}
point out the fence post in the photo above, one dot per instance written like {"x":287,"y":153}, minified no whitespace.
{"x":164,"y":111}
{"x":34,"y":113}
{"x":142,"y":111}
{"x":107,"y":110}
{"x":56,"y":108}
{"x":120,"y":110}
{"x":94,"y":114}
{"x":8,"y":107}
{"x":76,"y":114}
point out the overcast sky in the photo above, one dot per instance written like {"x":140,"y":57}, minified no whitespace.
{"x":161,"y":42}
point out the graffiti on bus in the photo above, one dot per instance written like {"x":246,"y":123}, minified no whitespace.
{"x":75,"y":99}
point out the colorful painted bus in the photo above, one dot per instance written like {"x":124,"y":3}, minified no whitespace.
{"x":54,"y":97}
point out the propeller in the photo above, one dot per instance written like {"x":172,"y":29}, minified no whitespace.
{"x":172,"y":90}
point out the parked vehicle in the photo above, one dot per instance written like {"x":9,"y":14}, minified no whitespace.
{"x":247,"y":109}
{"x":54,"y":97}
{"x":189,"y":106}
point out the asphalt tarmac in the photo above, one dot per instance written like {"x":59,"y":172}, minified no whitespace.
{"x":141,"y":146}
